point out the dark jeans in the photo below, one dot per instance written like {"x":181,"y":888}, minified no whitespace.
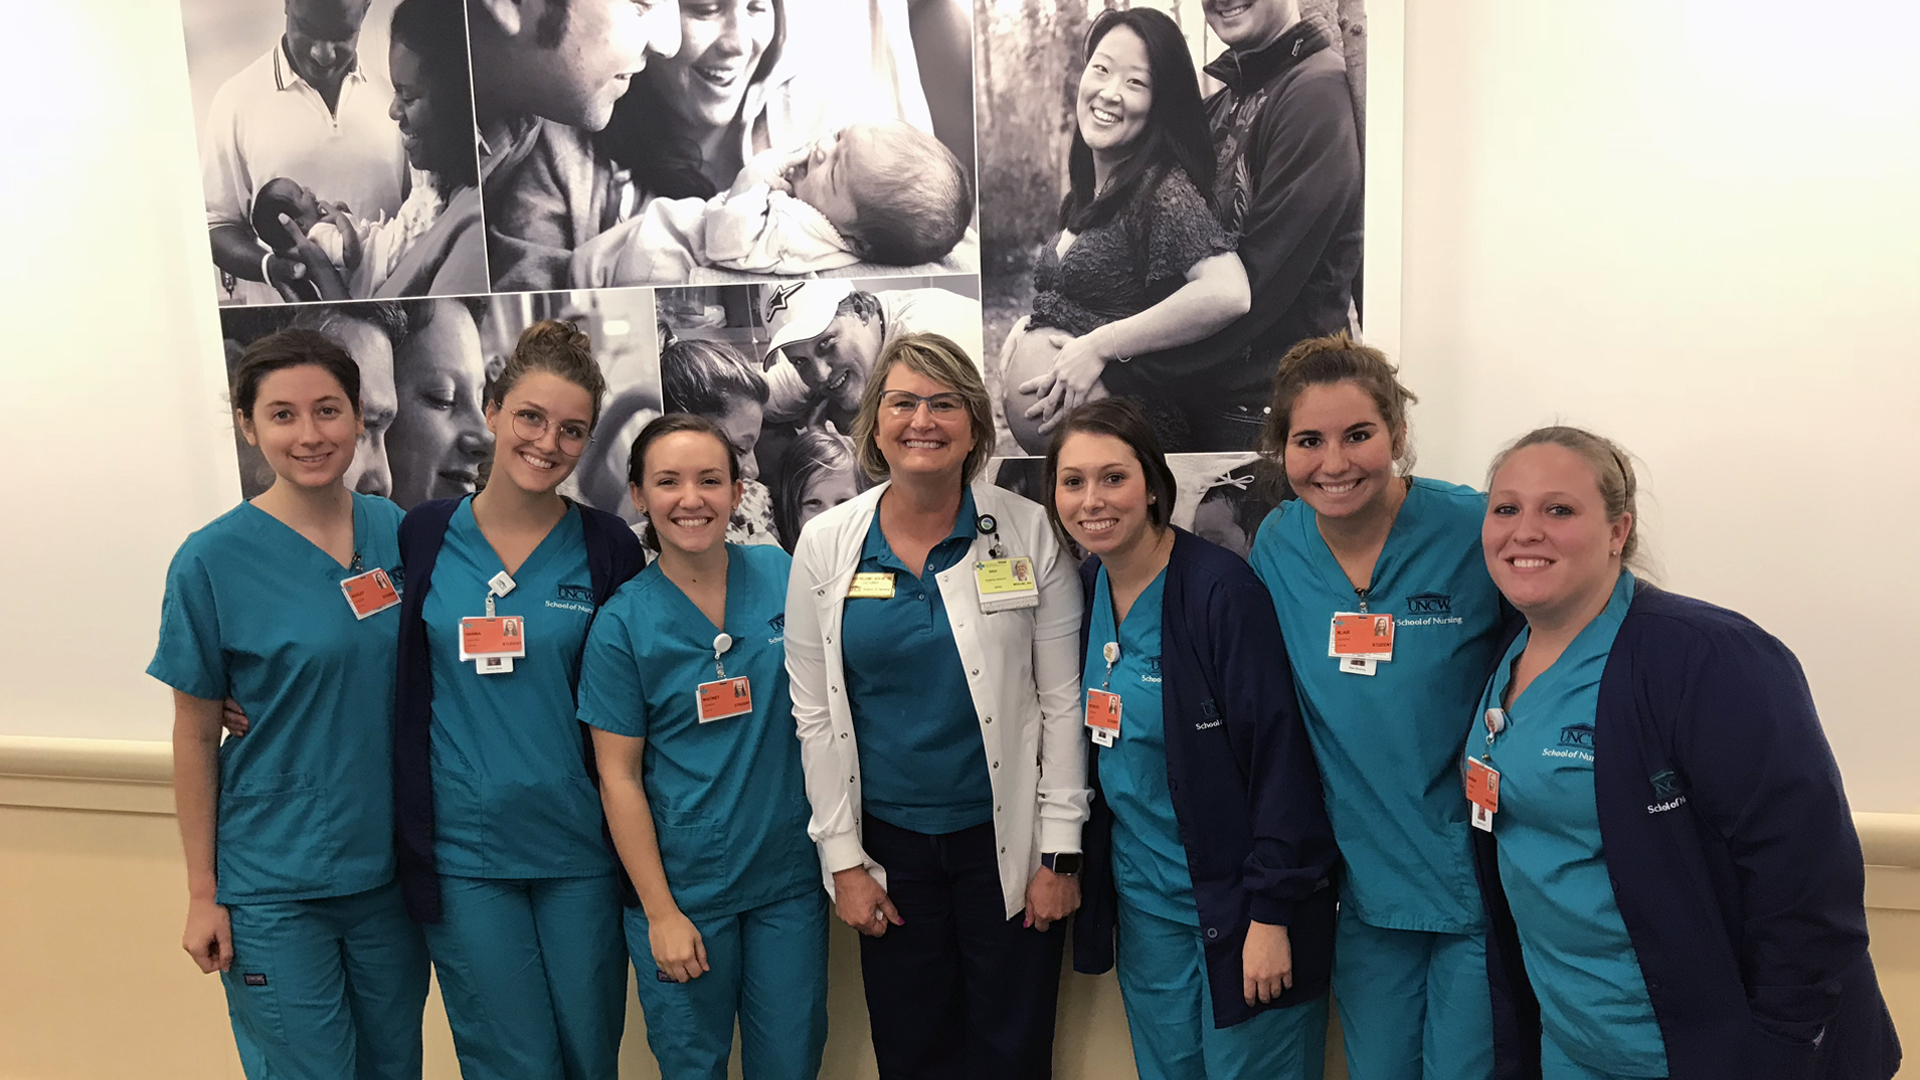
{"x":959,"y":992}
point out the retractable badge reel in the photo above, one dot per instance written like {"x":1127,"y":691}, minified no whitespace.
{"x":493,"y":641}
{"x":1004,"y":583}
{"x":1103,"y":705}
{"x":723,"y":697}
{"x":1482,"y":779}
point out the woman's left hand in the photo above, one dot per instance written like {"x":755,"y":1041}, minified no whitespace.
{"x":1050,"y":898}
{"x":1068,"y":383}
{"x":1266,"y":963}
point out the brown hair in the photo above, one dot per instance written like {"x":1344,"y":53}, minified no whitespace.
{"x":1612,"y":474}
{"x":659,"y":428}
{"x":941,"y":360}
{"x":559,"y":348}
{"x":1123,"y":420}
{"x":1323,"y":361}
{"x":288,"y":349}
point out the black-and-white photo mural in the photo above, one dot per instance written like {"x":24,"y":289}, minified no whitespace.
{"x":741,"y":201}
{"x":337,"y":157}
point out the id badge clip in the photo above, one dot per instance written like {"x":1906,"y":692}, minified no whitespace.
{"x":1360,"y":640}
{"x":1006,"y":584}
{"x":1103,"y":706}
{"x":1483,"y":791}
{"x":722,"y":697}
{"x":370,"y":593}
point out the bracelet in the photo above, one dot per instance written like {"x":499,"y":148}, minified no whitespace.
{"x":1101,"y":352}
{"x":263,"y":269}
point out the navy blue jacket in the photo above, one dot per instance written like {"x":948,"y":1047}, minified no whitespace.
{"x":613,"y":556}
{"x":1733,"y":857}
{"x":1246,"y":792}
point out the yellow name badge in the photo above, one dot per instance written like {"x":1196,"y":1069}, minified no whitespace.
{"x":877,"y":585}
{"x":1006,"y":584}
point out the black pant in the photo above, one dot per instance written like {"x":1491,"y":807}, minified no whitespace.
{"x":959,"y":992}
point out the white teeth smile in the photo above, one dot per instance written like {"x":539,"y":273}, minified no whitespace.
{"x":538,"y":463}
{"x":1340,"y":488}
{"x":922,"y":444}
{"x":311,"y":459}
{"x":693,"y":523}
{"x":1101,"y":525}
{"x":839,"y":380}
{"x":1103,"y":115}
{"x":1230,"y":12}
{"x":1528,"y":563}
{"x":719,"y":76}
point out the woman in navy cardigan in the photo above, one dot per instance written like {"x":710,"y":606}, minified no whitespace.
{"x":1672,"y":879}
{"x":1209,"y":848}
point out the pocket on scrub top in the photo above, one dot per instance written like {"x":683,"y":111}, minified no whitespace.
{"x":545,"y":827}
{"x":687,"y":843}
{"x":275,"y":837}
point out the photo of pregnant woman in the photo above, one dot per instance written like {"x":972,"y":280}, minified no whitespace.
{"x":1207,"y":220}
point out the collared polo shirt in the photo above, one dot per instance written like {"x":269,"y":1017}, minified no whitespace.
{"x":923,"y":765}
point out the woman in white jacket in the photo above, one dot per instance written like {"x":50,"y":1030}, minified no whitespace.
{"x":933,"y":647}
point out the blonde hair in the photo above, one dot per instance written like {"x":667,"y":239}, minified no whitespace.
{"x":1612,"y":473}
{"x":936,"y":358}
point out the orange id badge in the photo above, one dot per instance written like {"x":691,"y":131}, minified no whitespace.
{"x":723,"y":698}
{"x":1103,"y":715}
{"x":1483,"y":791}
{"x":488,"y":636}
{"x":370,"y":593}
{"x":1360,"y":635}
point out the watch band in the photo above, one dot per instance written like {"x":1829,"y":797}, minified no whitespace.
{"x":1065,"y":863}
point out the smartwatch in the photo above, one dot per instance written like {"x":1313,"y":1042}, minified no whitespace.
{"x":1064,"y":863}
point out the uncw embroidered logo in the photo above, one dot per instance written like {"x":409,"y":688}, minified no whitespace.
{"x":1580,"y":735}
{"x":1666,"y":784}
{"x":1430,"y":603}
{"x":578,"y":593}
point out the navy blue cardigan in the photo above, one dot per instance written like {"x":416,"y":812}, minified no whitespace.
{"x":1246,"y":792}
{"x":1733,"y":857}
{"x":613,"y":556}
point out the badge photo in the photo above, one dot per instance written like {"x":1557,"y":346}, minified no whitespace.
{"x":1006,"y":584}
{"x":724,"y":698}
{"x":370,"y":593}
{"x":492,"y":636}
{"x":1103,"y":715}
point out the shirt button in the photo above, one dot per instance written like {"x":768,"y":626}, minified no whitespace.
{"x":996,"y":764}
{"x":1003,"y":851}
{"x":843,"y":734}
{"x":1212,"y":933}
{"x":849,"y":779}
{"x":829,"y":641}
{"x":976,"y":671}
{"x":989,"y":719}
{"x":820,"y":592}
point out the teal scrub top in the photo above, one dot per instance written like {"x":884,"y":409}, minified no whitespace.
{"x":1593,"y":998}
{"x":1149,"y":858}
{"x":511,"y":796}
{"x":728,"y":800}
{"x":923,"y":765}
{"x":254,"y":611}
{"x":1389,"y":744}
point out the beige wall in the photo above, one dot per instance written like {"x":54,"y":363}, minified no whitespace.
{"x":93,"y":985}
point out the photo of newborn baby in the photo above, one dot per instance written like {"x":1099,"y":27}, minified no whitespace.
{"x":882,"y":193}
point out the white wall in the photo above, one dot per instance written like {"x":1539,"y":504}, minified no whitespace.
{"x":1692,"y":226}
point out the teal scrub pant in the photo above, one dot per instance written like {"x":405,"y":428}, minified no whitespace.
{"x":533,"y":976}
{"x":327,"y":988}
{"x":1413,"y":1004}
{"x":1556,"y":1065}
{"x":1163,"y":984}
{"x":767,"y":966}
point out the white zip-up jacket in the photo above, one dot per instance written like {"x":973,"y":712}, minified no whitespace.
{"x":1023,"y":671}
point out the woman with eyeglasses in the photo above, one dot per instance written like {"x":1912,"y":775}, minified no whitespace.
{"x":933,"y":650}
{"x":502,"y":847}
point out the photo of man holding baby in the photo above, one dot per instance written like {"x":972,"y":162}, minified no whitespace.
{"x":339,"y":162}
{"x":754,"y":141}
{"x":1208,"y":219}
